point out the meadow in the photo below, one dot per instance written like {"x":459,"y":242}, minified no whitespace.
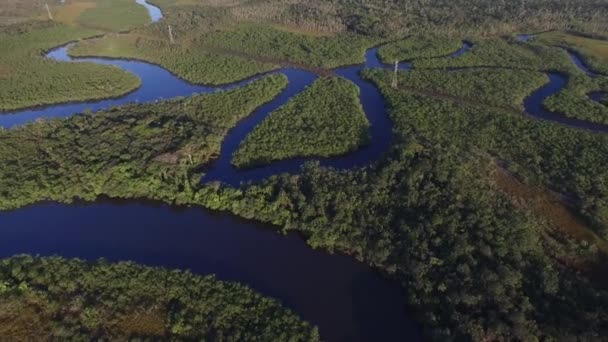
{"x":324,"y":120}
{"x":114,"y":15}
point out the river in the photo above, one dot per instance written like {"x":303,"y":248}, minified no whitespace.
{"x":346,"y":299}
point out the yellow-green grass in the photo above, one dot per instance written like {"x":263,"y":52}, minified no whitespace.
{"x":70,"y":12}
{"x":594,"y":51}
{"x":114,"y":15}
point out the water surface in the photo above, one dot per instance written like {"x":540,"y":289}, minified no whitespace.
{"x":346,"y":299}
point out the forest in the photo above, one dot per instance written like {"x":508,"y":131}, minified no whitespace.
{"x":494,"y":223}
{"x":430,"y":213}
{"x":415,"y":47}
{"x":397,"y":18}
{"x":51,"y":298}
{"x":324,"y":120}
{"x":150,"y":150}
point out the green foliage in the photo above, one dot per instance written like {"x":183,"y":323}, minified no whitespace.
{"x":472,"y":263}
{"x":231,"y":51}
{"x":151,"y":150}
{"x":418,"y":47}
{"x":192,"y":63}
{"x":493,"y":87}
{"x":567,"y":160}
{"x":594,"y":52}
{"x":324,"y":120}
{"x":28,"y":79}
{"x":574,"y":102}
{"x":76,"y":300}
{"x":258,"y":40}
{"x":114,"y":15}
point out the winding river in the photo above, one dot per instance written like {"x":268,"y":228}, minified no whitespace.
{"x":346,"y":299}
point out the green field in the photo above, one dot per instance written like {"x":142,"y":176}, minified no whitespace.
{"x":324,"y":120}
{"x":114,"y":15}
{"x":52,"y":298}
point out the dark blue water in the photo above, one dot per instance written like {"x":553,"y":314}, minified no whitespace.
{"x":373,"y":105}
{"x":557,"y":81}
{"x":156,"y":84}
{"x":580,"y":63}
{"x":347,"y":300}
{"x":534,"y":105}
{"x":525,"y":37}
{"x":597,"y":96}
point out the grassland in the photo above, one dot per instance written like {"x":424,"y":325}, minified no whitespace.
{"x":415,"y":47}
{"x":593,"y":51}
{"x":28,"y":79}
{"x":47,"y":299}
{"x":324,"y":120}
{"x":114,"y":15}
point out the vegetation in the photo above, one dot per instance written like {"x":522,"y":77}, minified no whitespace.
{"x":217,"y":56}
{"x":399,"y":18}
{"x":258,"y":40}
{"x":17,"y":11}
{"x":114,"y":15}
{"x":574,"y":101}
{"x":324,"y":120}
{"x":475,"y":261}
{"x":545,"y":153}
{"x":593,"y":51}
{"x":150,"y":150}
{"x":191,"y":63}
{"x":493,"y":87}
{"x":418,"y":47}
{"x":51,"y":298}
{"x":28,"y":79}
{"x":486,"y":252}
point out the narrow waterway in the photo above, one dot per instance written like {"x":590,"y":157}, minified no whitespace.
{"x":533,"y":104}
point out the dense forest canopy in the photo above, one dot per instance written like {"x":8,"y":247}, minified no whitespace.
{"x":51,"y":298}
{"x":398,"y":17}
